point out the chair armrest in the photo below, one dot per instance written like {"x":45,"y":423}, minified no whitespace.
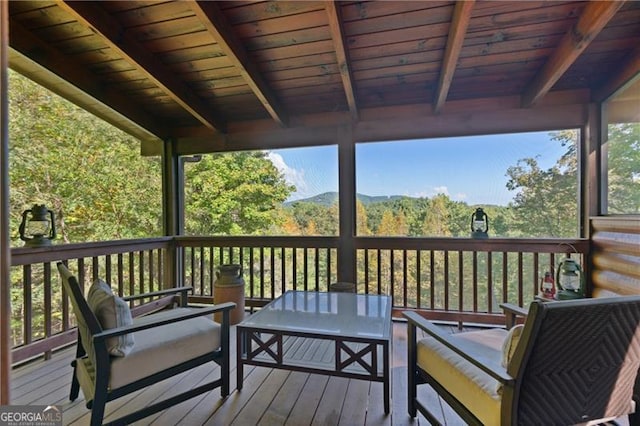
{"x":415,"y":320}
{"x":164,"y":292}
{"x":119,"y":331}
{"x":512,"y":311}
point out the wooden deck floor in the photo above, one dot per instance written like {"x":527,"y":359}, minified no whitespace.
{"x":269,"y":397}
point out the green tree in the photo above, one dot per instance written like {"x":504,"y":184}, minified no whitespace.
{"x":624,"y":168}
{"x":436,"y":221}
{"x":89,"y":173}
{"x":362,"y":225}
{"x":233,"y":193}
{"x":546,"y":202}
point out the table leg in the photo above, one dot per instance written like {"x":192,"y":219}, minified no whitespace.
{"x":240,"y":348}
{"x":387,"y":378}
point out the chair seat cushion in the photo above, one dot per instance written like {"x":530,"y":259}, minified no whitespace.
{"x":159,"y":348}
{"x":474,"y":388}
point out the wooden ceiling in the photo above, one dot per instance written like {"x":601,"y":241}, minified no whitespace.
{"x":202,"y":72}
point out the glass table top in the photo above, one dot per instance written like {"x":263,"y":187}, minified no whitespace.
{"x":343,"y":314}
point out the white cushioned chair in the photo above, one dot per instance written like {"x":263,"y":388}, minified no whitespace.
{"x":571,"y":362}
{"x":118,"y":354}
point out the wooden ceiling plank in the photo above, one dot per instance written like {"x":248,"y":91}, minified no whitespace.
{"x":457,"y":33}
{"x":24,"y":43}
{"x":592,"y":20}
{"x":90,"y":14}
{"x":213,"y":19}
{"x":626,"y":75}
{"x":342,"y":55}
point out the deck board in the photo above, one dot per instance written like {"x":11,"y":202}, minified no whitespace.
{"x":269,"y":397}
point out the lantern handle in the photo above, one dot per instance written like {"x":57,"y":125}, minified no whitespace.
{"x":53,"y":225}
{"x":23,"y":224}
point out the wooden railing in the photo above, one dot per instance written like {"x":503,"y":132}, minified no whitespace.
{"x":271,"y":265}
{"x":443,"y":278}
{"x":460,"y":279}
{"x":41,"y":308}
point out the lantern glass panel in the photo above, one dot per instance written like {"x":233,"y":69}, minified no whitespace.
{"x":570,"y":280}
{"x":38,"y":227}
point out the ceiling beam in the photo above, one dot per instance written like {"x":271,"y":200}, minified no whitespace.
{"x":59,"y":67}
{"x":593,"y":19}
{"x":624,"y":76}
{"x":342,"y":55}
{"x":116,"y":37}
{"x":457,"y":31}
{"x":213,"y":19}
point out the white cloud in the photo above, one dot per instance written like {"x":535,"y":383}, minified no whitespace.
{"x":292,"y":175}
{"x":441,"y":190}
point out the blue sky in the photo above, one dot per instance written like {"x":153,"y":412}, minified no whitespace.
{"x":471,"y":169}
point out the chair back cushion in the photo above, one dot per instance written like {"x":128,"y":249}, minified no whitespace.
{"x":112,"y":312}
{"x":579,"y":362}
{"x":510,"y":343}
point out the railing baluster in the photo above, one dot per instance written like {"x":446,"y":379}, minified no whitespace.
{"x":404,"y":277}
{"x":272,"y":260}
{"x":283,"y":269}
{"x":418,"y":279}
{"x":132,"y":275}
{"x":536,"y":273}
{"x":152,"y":272}
{"x":48,"y":326}
{"x":432,"y":280}
{"x":505,"y":277}
{"x":316,"y":268}
{"x":446,"y":280}
{"x":120,"y":275}
{"x":141,"y":270}
{"x":201,"y":270}
{"x":520,"y":284}
{"x":107,"y":266}
{"x":460,"y":280}
{"x":489,"y":282}
{"x":28,"y":304}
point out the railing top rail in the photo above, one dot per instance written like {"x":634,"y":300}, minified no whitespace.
{"x":259,"y":241}
{"x":28,"y":255}
{"x":526,"y":245}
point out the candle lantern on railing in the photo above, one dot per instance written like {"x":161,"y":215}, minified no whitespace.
{"x":38,"y":227}
{"x":479,"y":224}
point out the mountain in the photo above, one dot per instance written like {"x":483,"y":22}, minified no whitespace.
{"x":328,"y":198}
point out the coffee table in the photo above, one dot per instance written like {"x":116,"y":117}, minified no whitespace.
{"x":337,"y":334}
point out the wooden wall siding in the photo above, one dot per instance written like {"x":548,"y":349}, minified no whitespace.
{"x":615,"y":255}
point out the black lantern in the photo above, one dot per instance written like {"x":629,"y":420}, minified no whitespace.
{"x":38,"y":226}
{"x":479,"y":224}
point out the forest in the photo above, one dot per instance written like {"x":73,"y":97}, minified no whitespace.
{"x":94,"y":179}
{"x":100,"y":188}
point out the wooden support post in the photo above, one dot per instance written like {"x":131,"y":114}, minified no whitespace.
{"x":5,"y":250}
{"x":347,"y":204}
{"x":172,"y":212}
